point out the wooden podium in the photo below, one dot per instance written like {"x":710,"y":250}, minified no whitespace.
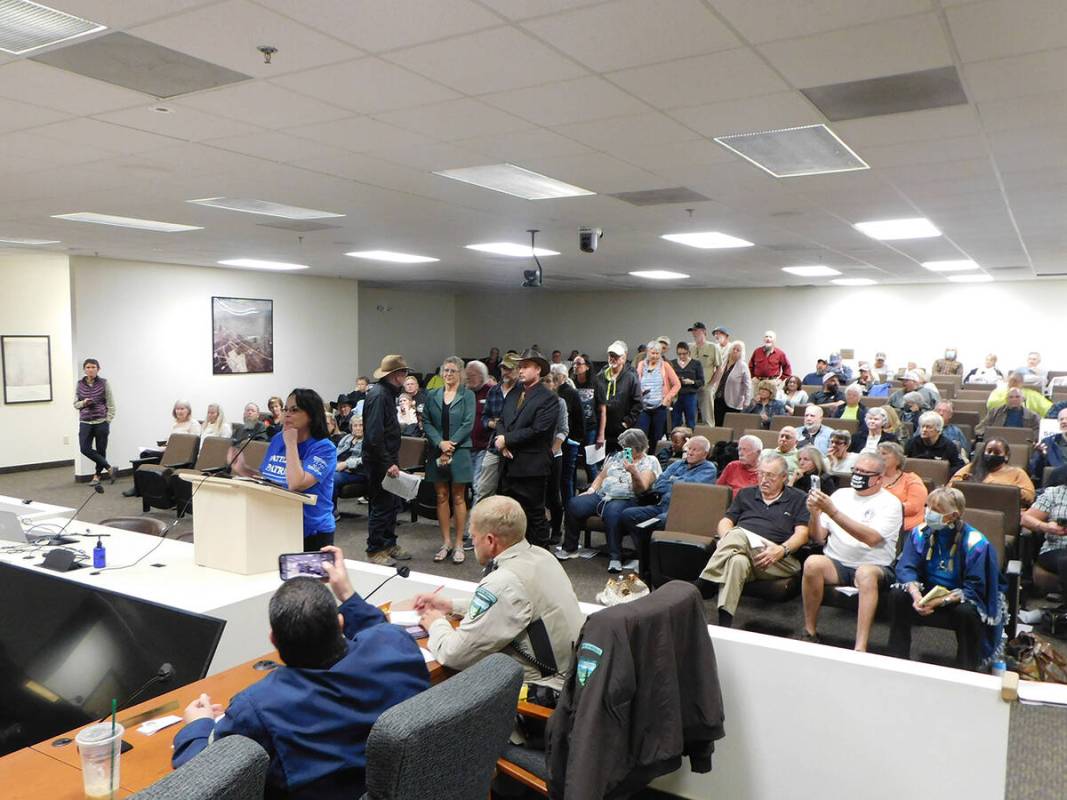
{"x":242,"y":526}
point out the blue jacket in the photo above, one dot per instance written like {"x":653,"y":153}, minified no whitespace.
{"x":1051,"y":458}
{"x":680,"y":472}
{"x":314,"y":723}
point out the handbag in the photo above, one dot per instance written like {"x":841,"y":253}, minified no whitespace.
{"x":1035,"y":658}
{"x":649,"y":498}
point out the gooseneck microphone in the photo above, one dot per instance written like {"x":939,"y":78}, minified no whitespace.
{"x":401,"y":571}
{"x":164,"y":674}
{"x":58,"y":538}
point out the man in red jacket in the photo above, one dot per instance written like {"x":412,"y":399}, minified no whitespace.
{"x":769,"y":361}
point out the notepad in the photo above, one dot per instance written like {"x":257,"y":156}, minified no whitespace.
{"x":404,"y":618}
{"x":404,"y":485}
{"x":594,"y":453}
{"x":156,"y":725}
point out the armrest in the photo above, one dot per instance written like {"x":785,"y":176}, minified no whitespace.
{"x":137,"y":462}
{"x":648,"y":523}
{"x":534,"y":711}
{"x":180,"y":465}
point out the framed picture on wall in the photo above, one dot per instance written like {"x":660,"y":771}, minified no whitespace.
{"x":242,"y":335}
{"x":27,"y":367}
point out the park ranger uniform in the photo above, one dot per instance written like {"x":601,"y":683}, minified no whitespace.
{"x":525,"y":607}
{"x":710,"y":357}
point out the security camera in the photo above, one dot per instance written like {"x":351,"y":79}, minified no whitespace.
{"x":531,"y":279}
{"x":588,"y":239}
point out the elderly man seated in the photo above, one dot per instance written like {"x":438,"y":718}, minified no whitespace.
{"x":913,"y":382}
{"x":1050,"y":451}
{"x":640,"y":521}
{"x":859,"y":526}
{"x":1033,"y":399}
{"x":931,"y":443}
{"x":787,"y":447}
{"x":742,"y":473}
{"x":1014,"y":414}
{"x":758,"y":537}
{"x":814,"y":433}
{"x":945,"y":410}
{"x":831,"y":394}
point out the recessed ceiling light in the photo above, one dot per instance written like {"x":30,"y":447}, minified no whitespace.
{"x":30,"y":242}
{"x":386,"y":255}
{"x":706,"y":240}
{"x":26,"y":26}
{"x":979,"y":277}
{"x":791,"y":152}
{"x":817,"y":271}
{"x":959,"y":265}
{"x":890,"y":229}
{"x":257,"y":263}
{"x":127,"y":222}
{"x":511,"y":249}
{"x":854,"y":281}
{"x":262,"y":207}
{"x":659,"y":274}
{"x":516,"y":181}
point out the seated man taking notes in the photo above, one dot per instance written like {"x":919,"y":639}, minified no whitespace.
{"x":344,"y":666}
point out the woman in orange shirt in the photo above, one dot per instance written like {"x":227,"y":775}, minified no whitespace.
{"x":905,"y":486}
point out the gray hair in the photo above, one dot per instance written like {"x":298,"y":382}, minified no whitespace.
{"x":774,"y":458}
{"x":482,"y":369}
{"x":455,"y":361}
{"x":842,"y":435}
{"x":655,"y":343}
{"x":702,"y":441}
{"x":181,"y":404}
{"x":878,"y":411}
{"x":932,"y":418}
{"x":751,"y":439}
{"x":912,"y":397}
{"x":853,"y":388}
{"x":876,"y":460}
{"x":895,"y":449}
{"x":817,"y":458}
{"x":635,"y":439}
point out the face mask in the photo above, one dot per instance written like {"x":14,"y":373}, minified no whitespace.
{"x":950,"y":355}
{"x":860,"y":482}
{"x":993,"y":460}
{"x":934,"y":519}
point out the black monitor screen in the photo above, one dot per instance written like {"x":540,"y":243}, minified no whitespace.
{"x":67,"y":649}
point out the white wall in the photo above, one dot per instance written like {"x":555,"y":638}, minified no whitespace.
{"x":150,"y":327}
{"x":35,"y":300}
{"x":914,"y":322}
{"x":418,"y":325}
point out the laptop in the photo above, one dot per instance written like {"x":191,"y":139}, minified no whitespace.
{"x":11,"y":528}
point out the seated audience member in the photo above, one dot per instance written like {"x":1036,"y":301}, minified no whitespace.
{"x":842,"y":370}
{"x":524,"y":605}
{"x":793,"y":394}
{"x":343,"y":666}
{"x":931,"y":443}
{"x":815,"y":378}
{"x":349,"y":458}
{"x":877,"y":423}
{"x":859,"y":526}
{"x":852,"y":408}
{"x":1050,"y":451}
{"x":865,"y":380}
{"x":360,"y":392}
{"x":276,"y":410}
{"x":1048,"y":516}
{"x":831,"y":394}
{"x":913,"y":382}
{"x":659,"y":387}
{"x":907,"y":487}
{"x":733,"y":391}
{"x":333,"y":433}
{"x":993,"y":467}
{"x":342,"y":408}
{"x":881,"y":369}
{"x":693,"y":468}
{"x":758,"y":536}
{"x":435,"y":381}
{"x":625,"y":475}
{"x":813,"y":431}
{"x":743,"y":472}
{"x":769,"y":361}
{"x":1033,"y":367}
{"x":810,"y":463}
{"x":945,"y":551}
{"x":945,"y":410}
{"x":1032,"y":398}
{"x":895,"y":426}
{"x":787,"y":447}
{"x":838,"y":457}
{"x":673,"y":448}
{"x":252,"y":425}
{"x":912,"y":410}
{"x":417,"y":394}
{"x":947,"y":365}
{"x":690,"y":373}
{"x":1013,"y":414}
{"x":215,"y":423}
{"x":183,"y":419}
{"x":409,"y":419}
{"x":988,"y":373}
{"x":765,"y":405}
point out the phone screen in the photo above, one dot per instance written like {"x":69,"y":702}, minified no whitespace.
{"x":293,"y":565}
{"x":627,"y":454}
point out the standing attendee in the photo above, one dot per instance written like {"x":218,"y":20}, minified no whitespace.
{"x":659,"y":387}
{"x":585,"y":384}
{"x":553,"y":486}
{"x":492,"y":363}
{"x":489,"y":475}
{"x":575,"y":427}
{"x":182,"y":412}
{"x":947,"y":365}
{"x":478,"y":382}
{"x":618,"y":397}
{"x":690,"y":373}
{"x":381,"y":457}
{"x":733,"y":391}
{"x":524,"y":439}
{"x":722,"y":338}
{"x":96,"y":409}
{"x":215,"y":423}
{"x":448,"y":421}
{"x":770,"y":361}
{"x":710,"y":357}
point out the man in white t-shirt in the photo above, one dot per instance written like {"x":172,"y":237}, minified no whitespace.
{"x":858,"y":527}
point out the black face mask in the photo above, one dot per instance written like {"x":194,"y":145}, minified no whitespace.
{"x":860,"y":483}
{"x":993,"y":460}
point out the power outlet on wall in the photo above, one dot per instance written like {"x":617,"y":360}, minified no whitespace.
{"x":66,"y":440}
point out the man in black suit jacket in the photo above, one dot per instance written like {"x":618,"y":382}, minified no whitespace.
{"x":524,"y":438}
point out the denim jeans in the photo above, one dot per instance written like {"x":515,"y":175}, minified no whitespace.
{"x":591,"y":470}
{"x":685,"y":411}
{"x":570,"y":468}
{"x":642,"y":537}
{"x":583,"y":506}
{"x":87,"y":434}
{"x":654,"y":423}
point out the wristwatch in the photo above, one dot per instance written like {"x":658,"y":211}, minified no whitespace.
{"x":785,"y":548}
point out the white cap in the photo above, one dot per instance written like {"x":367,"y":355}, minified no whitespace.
{"x":618,"y":347}
{"x":912,"y":375}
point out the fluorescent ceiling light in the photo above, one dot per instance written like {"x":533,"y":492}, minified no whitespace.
{"x":854,"y":281}
{"x":817,"y":271}
{"x":959,"y":265}
{"x":659,"y":274}
{"x":706,"y":240}
{"x":263,"y":207}
{"x":257,"y":263}
{"x":890,"y":229}
{"x":791,"y":152}
{"x":127,"y":222}
{"x":26,"y":26}
{"x":516,"y":181}
{"x":979,"y":277}
{"x":30,"y":242}
{"x":386,"y":255}
{"x":510,"y":249}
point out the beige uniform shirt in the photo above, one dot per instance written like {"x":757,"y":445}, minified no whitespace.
{"x":710,"y":357}
{"x":945,"y":367}
{"x":528,"y":584}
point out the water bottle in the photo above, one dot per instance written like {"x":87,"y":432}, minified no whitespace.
{"x":99,"y":554}
{"x":999,"y":667}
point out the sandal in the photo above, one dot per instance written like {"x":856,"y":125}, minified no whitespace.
{"x":442,"y":554}
{"x":458,"y":556}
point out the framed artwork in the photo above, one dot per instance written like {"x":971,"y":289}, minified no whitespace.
{"x":27,"y":366}
{"x":242,"y":335}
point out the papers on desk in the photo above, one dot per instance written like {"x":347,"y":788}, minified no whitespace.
{"x":156,"y":725}
{"x":404,"y":485}
{"x":405,"y":618}
{"x":427,"y":656}
{"x":594,"y":453}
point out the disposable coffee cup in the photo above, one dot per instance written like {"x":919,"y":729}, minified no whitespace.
{"x":100,"y":748}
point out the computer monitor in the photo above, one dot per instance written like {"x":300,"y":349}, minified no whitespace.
{"x":67,"y":649}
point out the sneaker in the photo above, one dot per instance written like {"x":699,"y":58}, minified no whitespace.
{"x":399,"y":553}
{"x":362,"y":501}
{"x":614,"y":565}
{"x":131,"y":492}
{"x":564,"y":555}
{"x":468,"y":543}
{"x":631,"y":565}
{"x":381,"y":557}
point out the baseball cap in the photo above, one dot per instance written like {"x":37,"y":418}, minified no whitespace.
{"x":720,"y":329}
{"x":698,"y":326}
{"x":912,"y":375}
{"x":829,"y":376}
{"x":618,"y":347}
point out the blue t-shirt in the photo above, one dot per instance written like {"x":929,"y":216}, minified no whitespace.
{"x":318,"y":458}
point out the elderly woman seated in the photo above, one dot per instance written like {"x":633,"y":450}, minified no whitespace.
{"x":932,"y":444}
{"x":765,"y":405}
{"x":838,"y":457}
{"x":853,"y":408}
{"x":907,"y":487}
{"x":626,"y":474}
{"x":948,"y":575}
{"x":877,"y":424}
{"x":993,"y":467}
{"x":812,"y":463}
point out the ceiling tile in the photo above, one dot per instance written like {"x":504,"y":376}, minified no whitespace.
{"x":640,"y":129}
{"x":367,"y":86}
{"x":1022,"y":26}
{"x":359,"y":134}
{"x":631,"y":33}
{"x":488,"y":61}
{"x":429,"y":157}
{"x":750,"y":114}
{"x":40,"y":84}
{"x":228,"y":34}
{"x":104,"y":136}
{"x":764,"y":21}
{"x":525,"y":9}
{"x":869,"y":51}
{"x":688,"y":82}
{"x":123,"y":15}
{"x":928,"y":152}
{"x":1005,"y":78}
{"x":276,"y":146}
{"x":182,"y":123}
{"x":913,"y":126}
{"x":1038,"y":110}
{"x":16,"y":116}
{"x":455,"y":119}
{"x":262,"y":104}
{"x":564,"y":102}
{"x":31,"y":148}
{"x":519,"y":145}
{"x":597,"y":172}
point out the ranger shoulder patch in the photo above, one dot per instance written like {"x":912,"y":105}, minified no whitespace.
{"x":482,"y":601}
{"x":588,"y":660}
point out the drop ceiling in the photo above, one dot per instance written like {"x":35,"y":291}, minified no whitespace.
{"x":364,"y":100}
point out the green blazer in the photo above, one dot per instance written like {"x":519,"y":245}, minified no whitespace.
{"x":460,"y":425}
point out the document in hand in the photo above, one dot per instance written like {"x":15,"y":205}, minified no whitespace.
{"x":933,"y":594}
{"x":594,"y":453}
{"x":404,"y":485}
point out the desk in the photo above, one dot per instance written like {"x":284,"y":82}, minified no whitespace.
{"x":34,"y":510}
{"x":30,"y":775}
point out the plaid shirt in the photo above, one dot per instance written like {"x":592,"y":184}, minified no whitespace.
{"x":1053,"y":501}
{"x":494,"y":406}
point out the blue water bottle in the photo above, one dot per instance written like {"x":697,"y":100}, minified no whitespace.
{"x":99,"y":554}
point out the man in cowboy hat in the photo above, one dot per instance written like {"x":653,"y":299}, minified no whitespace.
{"x":524,"y":440}
{"x":381,"y":451}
